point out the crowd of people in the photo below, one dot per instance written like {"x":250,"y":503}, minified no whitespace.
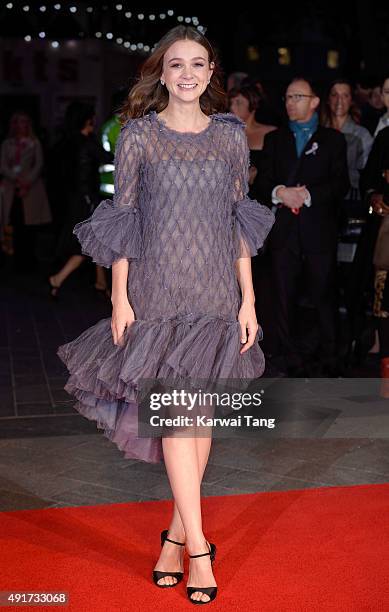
{"x":321,"y":166}
{"x":322,"y":169}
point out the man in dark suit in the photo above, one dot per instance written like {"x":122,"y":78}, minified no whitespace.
{"x":305,"y":175}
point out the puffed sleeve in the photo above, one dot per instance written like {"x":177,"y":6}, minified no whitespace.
{"x":114,"y":230}
{"x":252,"y":221}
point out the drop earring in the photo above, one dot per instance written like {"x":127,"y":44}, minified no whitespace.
{"x":162,"y":82}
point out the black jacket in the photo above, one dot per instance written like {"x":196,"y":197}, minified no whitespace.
{"x":322,"y":168}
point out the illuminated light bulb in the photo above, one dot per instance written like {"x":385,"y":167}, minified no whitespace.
{"x":57,"y":7}
{"x":140,"y":45}
{"x":151,"y":17}
{"x":98,"y":34}
{"x":126,"y":44}
{"x":109,"y":35}
{"x":162,"y":16}
{"x":141,"y":16}
{"x":26,"y":8}
{"x":133,"y":47}
{"x":9,"y":5}
{"x":180,"y":18}
{"x":170,"y":13}
{"x":42,"y":34}
{"x":55,"y":44}
{"x":119,"y":41}
{"x":119,"y":7}
{"x":128,"y":14}
{"x":73,"y":9}
{"x":27,"y":38}
{"x":146,"y":48}
{"x":89,"y":9}
{"x":42,"y":9}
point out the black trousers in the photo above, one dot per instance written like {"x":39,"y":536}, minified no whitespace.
{"x":320,"y":277}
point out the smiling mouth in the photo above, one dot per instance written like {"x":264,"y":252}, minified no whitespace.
{"x":186,"y":86}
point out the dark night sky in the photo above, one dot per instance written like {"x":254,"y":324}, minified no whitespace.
{"x":359,"y":30}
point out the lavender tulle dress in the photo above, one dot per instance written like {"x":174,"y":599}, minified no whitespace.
{"x":181,"y":216}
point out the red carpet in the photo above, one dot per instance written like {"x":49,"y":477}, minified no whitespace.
{"x":297,"y":551}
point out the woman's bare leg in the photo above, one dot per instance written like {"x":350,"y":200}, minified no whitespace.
{"x":171,"y":555}
{"x":72,"y":264}
{"x":181,"y":460}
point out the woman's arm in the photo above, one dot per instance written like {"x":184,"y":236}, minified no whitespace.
{"x":247,"y":315}
{"x":122,"y":313}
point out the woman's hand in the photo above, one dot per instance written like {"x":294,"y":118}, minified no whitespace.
{"x":122,"y":317}
{"x":252,"y":174}
{"x":378,"y":206}
{"x":248,"y":325}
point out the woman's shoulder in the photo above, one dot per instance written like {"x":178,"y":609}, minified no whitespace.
{"x":229,"y":119}
{"x":137,"y":123}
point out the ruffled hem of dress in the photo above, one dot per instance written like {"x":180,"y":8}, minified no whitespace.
{"x":111,"y":233}
{"x":105,"y":378}
{"x":252,"y":224}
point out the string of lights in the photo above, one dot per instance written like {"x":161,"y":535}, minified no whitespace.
{"x":122,"y":18}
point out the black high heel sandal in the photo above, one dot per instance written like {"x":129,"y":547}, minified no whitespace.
{"x":210,"y":591}
{"x":157,"y":575}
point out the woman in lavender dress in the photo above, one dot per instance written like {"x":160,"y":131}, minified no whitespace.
{"x":179,"y":236}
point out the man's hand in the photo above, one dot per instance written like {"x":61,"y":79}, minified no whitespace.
{"x":292,"y":197}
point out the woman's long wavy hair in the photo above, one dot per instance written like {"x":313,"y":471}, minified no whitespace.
{"x":148,"y":94}
{"x":354,"y":111}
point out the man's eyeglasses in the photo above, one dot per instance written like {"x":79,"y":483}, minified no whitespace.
{"x":297,"y":97}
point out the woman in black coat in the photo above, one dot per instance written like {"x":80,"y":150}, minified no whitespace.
{"x":76,"y":161}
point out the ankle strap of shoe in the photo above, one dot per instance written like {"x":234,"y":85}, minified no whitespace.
{"x":202,"y":555}
{"x":174,"y":542}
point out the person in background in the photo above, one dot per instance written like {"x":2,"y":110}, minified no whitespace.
{"x":81,"y":155}
{"x":267,"y":112}
{"x":25,"y":203}
{"x":374,"y":109}
{"x":235,"y":79}
{"x":342,"y":114}
{"x":384,"y":119}
{"x":362,"y":91}
{"x":244,"y":103}
{"x":304,"y":173}
{"x":374,"y":251}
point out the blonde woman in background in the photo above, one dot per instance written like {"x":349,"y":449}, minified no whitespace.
{"x":25,"y":202}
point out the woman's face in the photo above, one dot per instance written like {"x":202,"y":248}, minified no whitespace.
{"x":186,"y":70}
{"x":340,"y":100}
{"x":385,"y":93}
{"x":239,"y":105}
{"x":21,"y":125}
{"x":89,"y":125}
